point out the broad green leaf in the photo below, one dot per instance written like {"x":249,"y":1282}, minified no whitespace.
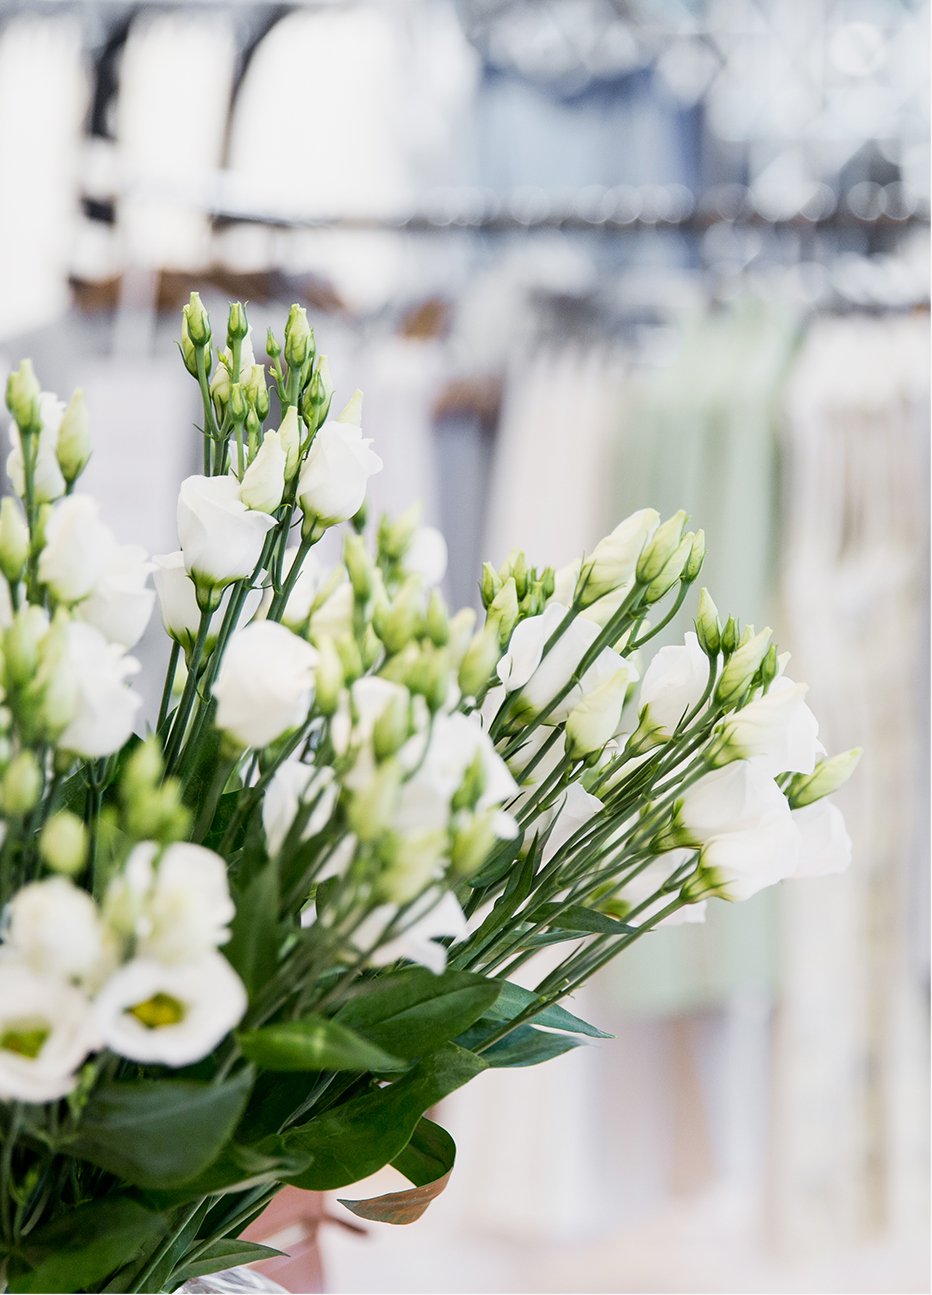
{"x":159,"y":1133}
{"x":577,"y":918}
{"x":83,"y":1246}
{"x":219,"y":1256}
{"x":515,"y":999}
{"x":253,"y":944}
{"x":314,"y":1043}
{"x":527,"y":1046}
{"x":427,"y":1161}
{"x":354,"y":1140}
{"x":239,"y":1167}
{"x":199,"y":777}
{"x":413,"y":1012}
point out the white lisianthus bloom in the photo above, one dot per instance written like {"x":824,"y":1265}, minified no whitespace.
{"x":265,"y":684}
{"x":178,"y":607}
{"x":263,"y":483}
{"x":612,"y":563}
{"x":174,"y":905}
{"x":778,"y":729}
{"x":739,"y":796}
{"x":541,"y":677}
{"x":426,"y":555}
{"x":48,"y":481}
{"x":77,"y":551}
{"x":674,"y":683}
{"x":46,"y":1031}
{"x":426,"y":921}
{"x":293,"y":785}
{"x":334,"y":616}
{"x":56,"y":928}
{"x":824,"y":843}
{"x":738,"y":864}
{"x":172,"y":1014}
{"x":637,"y":890}
{"x":332,"y":484}
{"x":357,"y":715}
{"x":120,"y":604}
{"x":595,"y":719}
{"x":221,"y":538}
{"x":102,"y":708}
{"x":577,"y":808}
{"x":289,"y":438}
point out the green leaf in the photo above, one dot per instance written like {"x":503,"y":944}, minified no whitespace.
{"x":83,"y":1246}
{"x":239,"y":1167}
{"x":427,"y":1161}
{"x":527,"y":1046}
{"x":200,"y":775}
{"x":354,"y":1140}
{"x":515,"y":999}
{"x":314,"y":1043}
{"x":253,"y":945}
{"x":578,"y":918}
{"x":221,"y":1255}
{"x":413,"y":1012}
{"x":159,"y":1132}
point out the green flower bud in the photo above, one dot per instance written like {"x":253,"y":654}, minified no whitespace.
{"x":273,"y":348}
{"x":198,"y":320}
{"x":329,"y":685}
{"x":647,"y":735}
{"x":518,"y":568}
{"x":14,"y":539}
{"x":696,"y":558}
{"x":143,"y":770}
{"x":548,"y":583}
{"x":479,"y":661}
{"x":503,"y":610}
{"x":741,"y":667}
{"x":769,"y":667}
{"x":318,"y":395}
{"x":827,"y":777}
{"x":431,"y":677}
{"x":188,"y":349}
{"x":299,"y":340}
{"x":22,"y":397}
{"x":350,"y":658}
{"x":730,"y":636}
{"x":358,"y":563}
{"x":490,"y":584}
{"x":392,"y":729}
{"x":473,"y":842}
{"x":63,"y":843}
{"x":671,"y":571}
{"x":437,"y":619}
{"x":74,"y":439}
{"x":708,"y":626}
{"x":21,"y":785}
{"x":237,"y":324}
{"x":473,"y":785}
{"x":261,"y":400}
{"x":409,"y":864}
{"x":21,"y":644}
{"x":397,"y":622}
{"x":660,"y":548}
{"x":220,"y":387}
{"x":372,"y":809}
{"x":238,"y":406}
{"x":395,"y":536}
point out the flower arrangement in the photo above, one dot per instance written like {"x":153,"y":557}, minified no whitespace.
{"x":253,"y":947}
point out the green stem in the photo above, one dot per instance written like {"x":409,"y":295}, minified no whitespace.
{"x":169,"y":685}
{"x":190,"y":692}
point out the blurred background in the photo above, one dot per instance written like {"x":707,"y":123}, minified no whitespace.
{"x":582,"y":256}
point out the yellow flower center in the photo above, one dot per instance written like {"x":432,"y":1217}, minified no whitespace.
{"x":161,"y":1009}
{"x":25,"y":1038}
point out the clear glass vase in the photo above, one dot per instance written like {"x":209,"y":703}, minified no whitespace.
{"x":232,"y":1281}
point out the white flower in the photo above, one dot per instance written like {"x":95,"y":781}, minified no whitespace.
{"x":427,"y":920}
{"x":673,"y":683}
{"x":46,"y":1031}
{"x":263,"y":484}
{"x":178,"y":607}
{"x":295,"y":784}
{"x":175,"y":906}
{"x":78,"y":549}
{"x":541,"y":677}
{"x":170,"y":1014}
{"x":613,"y":561}
{"x":824,"y":843}
{"x":120,"y":605}
{"x":221,"y":538}
{"x":334,"y":616}
{"x":426,"y":555}
{"x":332,"y":484}
{"x":56,"y":928}
{"x":577,"y":808}
{"x":265,"y":683}
{"x":738,"y":864}
{"x":102,"y":709}
{"x":49,"y":483}
{"x":595,"y":719}
{"x":778,"y":729}
{"x":739,"y":796}
{"x":356,"y":717}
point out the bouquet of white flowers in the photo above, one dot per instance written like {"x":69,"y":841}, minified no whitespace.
{"x":253,"y":947}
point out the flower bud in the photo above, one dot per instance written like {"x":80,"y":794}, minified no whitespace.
{"x":143,"y":770}
{"x":769,"y":667}
{"x":479,"y":661}
{"x":517,"y":567}
{"x":473,"y":785}
{"x":741,"y":667}
{"x":21,"y":644}
{"x":350,"y":658}
{"x":220,"y":386}
{"x":352,"y":411}
{"x":392,"y":728}
{"x":198,"y":320}
{"x":372,"y":808}
{"x":647,"y":735}
{"x":21,"y":785}
{"x":826,"y":778}
{"x":595,"y":719}
{"x":289,"y":437}
{"x":473,"y":842}
{"x":14,"y":539}
{"x":238,"y":405}
{"x":395,"y":536}
{"x":318,"y":395}
{"x":708,"y":627}
{"x":671,"y":571}
{"x":273,"y":347}
{"x":730,"y":636}
{"x":299,"y":340}
{"x":263,"y":482}
{"x":397,"y":622}
{"x":22,"y":397}
{"x":490,"y":584}
{"x":696,"y":558}
{"x":660,"y":548}
{"x":63,"y":843}
{"x":74,"y":439}
{"x":460,"y":629}
{"x":409,"y":864}
{"x":329,"y":679}
{"x":431,"y":677}
{"x":237,"y":324}
{"x":188,"y":349}
{"x":437,"y":619}
{"x":503,"y":610}
{"x":548,"y":582}
{"x":358,"y":564}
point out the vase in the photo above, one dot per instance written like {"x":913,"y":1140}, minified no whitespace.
{"x":231,"y":1281}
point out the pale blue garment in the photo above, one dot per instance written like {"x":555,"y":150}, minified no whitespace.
{"x":700,"y":434}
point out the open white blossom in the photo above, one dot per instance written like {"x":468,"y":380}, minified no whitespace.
{"x":103,"y":709}
{"x":120,"y":604}
{"x":778,"y":729}
{"x":332,"y":484}
{"x":46,"y":1031}
{"x":78,"y":548}
{"x":265,"y":683}
{"x":427,"y":920}
{"x":221,"y":538}
{"x":674,"y":683}
{"x":293,"y":785}
{"x":824,"y":843}
{"x":56,"y":928}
